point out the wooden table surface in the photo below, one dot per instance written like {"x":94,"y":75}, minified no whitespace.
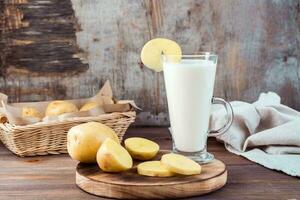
{"x":53,"y":177}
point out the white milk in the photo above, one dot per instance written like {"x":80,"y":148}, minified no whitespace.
{"x":189,"y":86}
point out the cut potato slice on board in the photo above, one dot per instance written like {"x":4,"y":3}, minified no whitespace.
{"x":153,"y":50}
{"x":141,"y":148}
{"x":180,"y":164}
{"x":112,"y":157}
{"x":154,"y":168}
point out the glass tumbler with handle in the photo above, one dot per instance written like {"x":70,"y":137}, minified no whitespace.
{"x":189,"y":82}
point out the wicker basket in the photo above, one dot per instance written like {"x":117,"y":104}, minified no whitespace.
{"x":51,"y":137}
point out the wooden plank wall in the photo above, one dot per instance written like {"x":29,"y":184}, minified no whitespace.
{"x":62,"y":49}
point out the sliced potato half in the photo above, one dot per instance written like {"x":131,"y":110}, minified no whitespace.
{"x":112,"y":157}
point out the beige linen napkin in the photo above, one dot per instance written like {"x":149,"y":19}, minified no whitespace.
{"x":265,"y":132}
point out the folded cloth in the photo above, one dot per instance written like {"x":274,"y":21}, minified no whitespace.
{"x":265,"y":132}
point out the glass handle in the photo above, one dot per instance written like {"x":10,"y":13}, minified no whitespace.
{"x":229,"y":117}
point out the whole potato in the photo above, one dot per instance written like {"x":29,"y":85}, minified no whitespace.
{"x":28,"y":111}
{"x":90,"y":105}
{"x":84,"y":140}
{"x":56,"y":108}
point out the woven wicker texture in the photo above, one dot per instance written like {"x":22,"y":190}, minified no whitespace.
{"x":51,"y":137}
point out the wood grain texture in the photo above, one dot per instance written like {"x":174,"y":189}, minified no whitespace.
{"x":53,"y":177}
{"x":130,"y":185}
{"x":38,"y":49}
{"x":258,"y":43}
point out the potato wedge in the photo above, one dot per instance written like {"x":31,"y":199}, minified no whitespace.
{"x":180,"y":164}
{"x":141,"y":148}
{"x":153,"y":168}
{"x":112,"y":157}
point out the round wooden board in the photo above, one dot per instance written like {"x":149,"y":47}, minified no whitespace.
{"x":130,"y":185}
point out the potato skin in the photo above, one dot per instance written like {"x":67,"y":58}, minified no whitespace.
{"x":84,"y":140}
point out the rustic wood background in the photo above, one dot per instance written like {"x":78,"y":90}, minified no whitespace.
{"x":62,"y":49}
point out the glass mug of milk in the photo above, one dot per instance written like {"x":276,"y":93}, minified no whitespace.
{"x":189,"y":82}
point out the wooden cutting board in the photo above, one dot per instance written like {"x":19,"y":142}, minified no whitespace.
{"x":130,"y":185}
